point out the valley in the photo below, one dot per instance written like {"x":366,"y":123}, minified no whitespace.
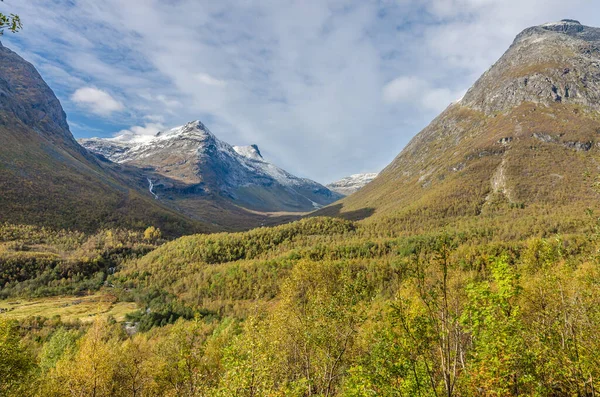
{"x":175,"y":264}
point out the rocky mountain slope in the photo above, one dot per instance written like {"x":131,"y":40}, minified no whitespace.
{"x":523,"y":140}
{"x":47,"y":178}
{"x":351,"y":184}
{"x":189,"y":161}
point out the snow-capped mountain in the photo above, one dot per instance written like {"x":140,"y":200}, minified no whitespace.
{"x":351,"y":184}
{"x":192,"y":160}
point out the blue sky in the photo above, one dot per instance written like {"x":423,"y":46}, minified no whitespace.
{"x":325,"y":88}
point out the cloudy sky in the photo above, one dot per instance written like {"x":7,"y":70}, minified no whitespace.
{"x":326,"y":88}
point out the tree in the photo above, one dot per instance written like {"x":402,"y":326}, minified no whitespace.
{"x":16,"y":362}
{"x":135,"y":367}
{"x":498,"y":361}
{"x":386,"y":367}
{"x":184,"y":369}
{"x":91,"y":370}
{"x":11,"y":22}
{"x":62,"y":342}
{"x":428,"y":312}
{"x":152,"y":234}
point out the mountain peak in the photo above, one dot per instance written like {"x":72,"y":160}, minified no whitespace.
{"x":564,"y":26}
{"x":523,"y":136}
{"x":546,"y":64}
{"x":193,"y":128}
{"x":27,"y":97}
{"x":193,"y":163}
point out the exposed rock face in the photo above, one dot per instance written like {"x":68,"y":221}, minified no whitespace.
{"x":351,"y":184}
{"x":524,"y":135}
{"x":192,"y":155}
{"x":556,"y":62}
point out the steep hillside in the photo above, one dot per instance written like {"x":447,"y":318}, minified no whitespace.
{"x":523,"y":140}
{"x":47,"y":178}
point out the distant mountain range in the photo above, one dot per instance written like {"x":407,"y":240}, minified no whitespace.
{"x":191,"y":161}
{"x":351,"y":184}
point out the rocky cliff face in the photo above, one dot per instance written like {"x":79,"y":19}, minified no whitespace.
{"x":521,"y":139}
{"x":551,"y":63}
{"x":202,"y":164}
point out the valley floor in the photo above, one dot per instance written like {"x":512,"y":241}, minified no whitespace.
{"x":69,"y":308}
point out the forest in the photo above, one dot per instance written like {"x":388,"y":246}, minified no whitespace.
{"x":318,"y":307}
{"x":131,"y":264}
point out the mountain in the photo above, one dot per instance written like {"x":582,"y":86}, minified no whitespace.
{"x":351,"y":184}
{"x":48,"y":179}
{"x":190,"y":162}
{"x":523,"y":140}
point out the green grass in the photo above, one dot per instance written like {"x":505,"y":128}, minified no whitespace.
{"x":69,"y":308}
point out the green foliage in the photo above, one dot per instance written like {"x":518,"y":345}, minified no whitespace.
{"x":62,"y":342}
{"x":229,"y":247}
{"x":159,"y":309}
{"x":11,"y":22}
{"x":499,"y":362}
{"x":330,"y":308}
{"x":38,"y":261}
{"x":16,"y":362}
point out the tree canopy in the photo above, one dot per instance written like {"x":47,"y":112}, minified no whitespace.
{"x":12,"y":22}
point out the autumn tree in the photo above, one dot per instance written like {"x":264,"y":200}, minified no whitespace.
{"x":184,"y":367}
{"x":90,"y":371}
{"x":304,"y":347}
{"x":428,"y":310}
{"x":498,"y":363}
{"x":16,"y":362}
{"x":152,"y":234}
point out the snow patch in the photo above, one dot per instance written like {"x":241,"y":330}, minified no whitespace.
{"x":352,"y":183}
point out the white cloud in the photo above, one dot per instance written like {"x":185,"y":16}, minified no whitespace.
{"x":411,"y":90}
{"x":168,"y":102}
{"x":97,"y":101}
{"x":139,"y":133}
{"x":209,"y":80}
{"x":403,"y":89}
{"x":157,"y":118}
{"x":344,"y":83}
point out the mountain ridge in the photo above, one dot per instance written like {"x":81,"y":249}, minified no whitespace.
{"x":194,"y":157}
{"x":521,"y":139}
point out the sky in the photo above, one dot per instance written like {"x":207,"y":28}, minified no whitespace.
{"x":325,"y":88}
